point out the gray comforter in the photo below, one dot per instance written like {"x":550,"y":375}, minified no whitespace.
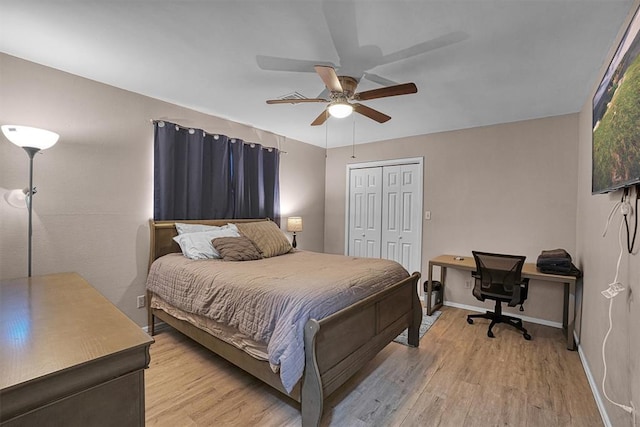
{"x":270,"y":300}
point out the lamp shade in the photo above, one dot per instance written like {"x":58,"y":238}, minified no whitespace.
{"x":17,"y":198}
{"x":294,"y":224}
{"x":25,"y":136}
{"x":340,"y":110}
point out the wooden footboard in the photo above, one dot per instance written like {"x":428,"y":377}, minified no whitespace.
{"x":336,"y":347}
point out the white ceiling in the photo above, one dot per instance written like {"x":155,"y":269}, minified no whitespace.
{"x":475,"y":63}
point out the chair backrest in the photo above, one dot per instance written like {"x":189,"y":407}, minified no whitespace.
{"x":499,"y":273}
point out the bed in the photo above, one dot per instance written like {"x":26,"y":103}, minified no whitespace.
{"x":335,"y":347}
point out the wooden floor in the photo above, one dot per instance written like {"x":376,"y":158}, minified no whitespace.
{"x":458,"y":377}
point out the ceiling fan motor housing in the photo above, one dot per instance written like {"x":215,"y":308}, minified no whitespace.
{"x":349,"y":85}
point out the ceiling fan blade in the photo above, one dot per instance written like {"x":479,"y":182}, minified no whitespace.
{"x":295,"y":100}
{"x":371,"y":113}
{"x":321,"y":118}
{"x":329,"y":77}
{"x":424,"y":47}
{"x":275,"y":63}
{"x":383,"y":92}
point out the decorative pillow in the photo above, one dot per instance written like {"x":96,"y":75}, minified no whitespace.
{"x":236,"y":248}
{"x":184,"y":228}
{"x":198,"y":245}
{"x":267,"y":237}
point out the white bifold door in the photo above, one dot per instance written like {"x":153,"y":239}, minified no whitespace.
{"x":385,"y":213}
{"x":365,"y":212}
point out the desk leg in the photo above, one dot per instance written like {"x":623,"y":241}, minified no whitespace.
{"x":565,"y":307}
{"x":443,"y":280}
{"x":429,"y":289}
{"x":570,"y":310}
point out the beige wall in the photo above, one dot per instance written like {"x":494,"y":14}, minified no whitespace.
{"x":95,"y":186}
{"x":598,"y":256}
{"x":506,"y":188}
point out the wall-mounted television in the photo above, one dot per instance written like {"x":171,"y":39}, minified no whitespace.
{"x":616,"y":118}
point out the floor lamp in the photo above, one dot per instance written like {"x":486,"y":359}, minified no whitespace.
{"x":32,"y":140}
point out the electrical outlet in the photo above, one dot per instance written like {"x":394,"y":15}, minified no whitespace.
{"x":141,"y":301}
{"x":467,"y":284}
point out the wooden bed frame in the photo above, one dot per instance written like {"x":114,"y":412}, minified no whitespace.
{"x":336,"y":347}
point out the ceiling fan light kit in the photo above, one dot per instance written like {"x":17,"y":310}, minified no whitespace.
{"x":340,"y":109}
{"x":342,"y":90}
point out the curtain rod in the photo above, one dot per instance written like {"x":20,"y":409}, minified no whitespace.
{"x":215,"y":135}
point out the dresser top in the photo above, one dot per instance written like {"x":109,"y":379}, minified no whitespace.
{"x":56,"y":322}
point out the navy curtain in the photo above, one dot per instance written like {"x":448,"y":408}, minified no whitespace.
{"x":257,"y":181}
{"x":205,"y":176}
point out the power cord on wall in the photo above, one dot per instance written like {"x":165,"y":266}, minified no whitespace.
{"x":627,"y":210}
{"x":614,"y":289}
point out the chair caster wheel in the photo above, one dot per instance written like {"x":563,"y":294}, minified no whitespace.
{"x":470,"y":321}
{"x":527,"y":337}
{"x":490,"y":334}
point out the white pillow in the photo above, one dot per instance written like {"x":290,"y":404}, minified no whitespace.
{"x":184,"y":228}
{"x":198,"y":245}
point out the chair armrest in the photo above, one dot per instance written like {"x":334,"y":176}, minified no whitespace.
{"x":524,"y":289}
{"x":520,"y":292}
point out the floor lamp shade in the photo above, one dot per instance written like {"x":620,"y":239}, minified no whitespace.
{"x":17,"y":198}
{"x":32,"y":140}
{"x":25,"y":136}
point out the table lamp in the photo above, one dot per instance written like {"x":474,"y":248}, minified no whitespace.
{"x":294,"y":225}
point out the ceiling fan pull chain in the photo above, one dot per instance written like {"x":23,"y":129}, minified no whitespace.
{"x":353,"y":140}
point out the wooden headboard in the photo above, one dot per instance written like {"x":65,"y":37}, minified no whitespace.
{"x":163,"y":232}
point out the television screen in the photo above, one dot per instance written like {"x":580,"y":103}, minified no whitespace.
{"x":616,"y":117}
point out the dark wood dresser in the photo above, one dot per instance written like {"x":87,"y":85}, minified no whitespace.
{"x":68,"y":357}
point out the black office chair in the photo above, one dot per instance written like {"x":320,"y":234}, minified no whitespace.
{"x":499,"y":277}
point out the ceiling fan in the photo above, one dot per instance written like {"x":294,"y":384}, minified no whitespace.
{"x":342,"y":93}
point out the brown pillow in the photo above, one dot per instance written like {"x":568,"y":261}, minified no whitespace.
{"x":267,"y":237}
{"x":236,"y":248}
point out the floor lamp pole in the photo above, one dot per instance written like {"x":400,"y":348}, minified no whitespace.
{"x":31,"y":152}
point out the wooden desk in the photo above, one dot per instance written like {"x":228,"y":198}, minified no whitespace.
{"x":530,"y":271}
{"x":68,"y":356}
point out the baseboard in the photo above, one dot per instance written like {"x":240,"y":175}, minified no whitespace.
{"x":158,"y":326}
{"x":594,"y":388}
{"x":524,"y":318}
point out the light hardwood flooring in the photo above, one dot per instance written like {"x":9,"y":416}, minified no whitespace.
{"x":458,"y":377}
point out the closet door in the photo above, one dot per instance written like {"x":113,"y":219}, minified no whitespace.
{"x":365,"y":212}
{"x":401,"y":215}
